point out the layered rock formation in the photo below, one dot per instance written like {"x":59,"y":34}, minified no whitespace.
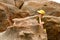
{"x":25,"y":8}
{"x":24,"y":29}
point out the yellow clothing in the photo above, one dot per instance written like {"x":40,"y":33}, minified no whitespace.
{"x":41,"y":11}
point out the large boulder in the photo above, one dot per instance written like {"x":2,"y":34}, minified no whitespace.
{"x":8,"y":11}
{"x":52,"y":25}
{"x":27,"y":29}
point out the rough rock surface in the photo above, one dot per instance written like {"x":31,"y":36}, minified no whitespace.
{"x":16,"y":3}
{"x":51,"y":8}
{"x":9,"y":11}
{"x":24,"y":8}
{"x":24,"y":30}
{"x":52,"y":25}
{"x":3,"y":17}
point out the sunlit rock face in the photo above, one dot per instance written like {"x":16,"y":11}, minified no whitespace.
{"x":51,"y":8}
{"x":24,"y":30}
{"x":29,"y":8}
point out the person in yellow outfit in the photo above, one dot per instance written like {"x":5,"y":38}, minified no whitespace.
{"x":41,"y":14}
